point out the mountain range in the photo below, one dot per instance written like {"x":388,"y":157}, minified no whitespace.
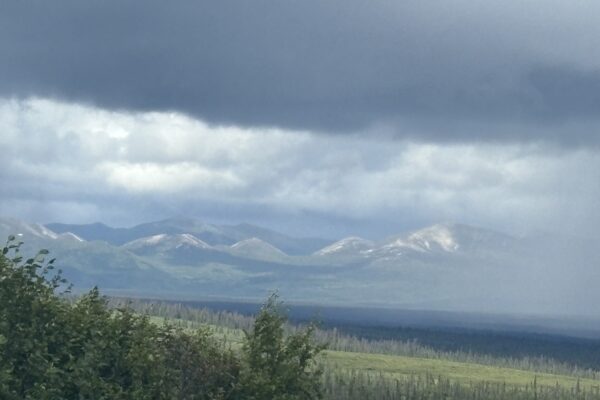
{"x":443,"y":266}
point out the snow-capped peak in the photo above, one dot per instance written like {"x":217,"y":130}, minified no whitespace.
{"x":349,"y":244}
{"x":255,"y":245}
{"x":435,"y":237}
{"x":186,"y":238}
{"x":15,"y":226}
{"x":151,"y":240}
{"x":253,"y":241}
{"x":39,"y":231}
{"x":172,"y":241}
{"x":70,"y":236}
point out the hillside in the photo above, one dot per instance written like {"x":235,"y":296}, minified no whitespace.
{"x":210,"y":233}
{"x":443,"y":266}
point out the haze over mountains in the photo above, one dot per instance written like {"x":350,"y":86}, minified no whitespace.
{"x":214,"y":234}
{"x":443,"y":266}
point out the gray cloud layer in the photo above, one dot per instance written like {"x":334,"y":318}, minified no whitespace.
{"x":438,"y":71}
{"x":63,"y":161}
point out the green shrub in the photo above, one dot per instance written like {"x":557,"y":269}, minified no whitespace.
{"x":278,"y":367}
{"x":51,"y":348}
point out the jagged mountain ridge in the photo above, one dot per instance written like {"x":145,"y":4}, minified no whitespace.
{"x":213,"y":235}
{"x":164,"y":240}
{"x":352,"y":245}
{"x":438,"y":238}
{"x":448,"y":264}
{"x":257,"y":248}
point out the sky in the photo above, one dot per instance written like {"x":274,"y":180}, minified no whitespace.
{"x":316,"y":118}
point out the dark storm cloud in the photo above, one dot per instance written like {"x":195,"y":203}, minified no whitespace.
{"x":566,"y":92}
{"x":430,"y":70}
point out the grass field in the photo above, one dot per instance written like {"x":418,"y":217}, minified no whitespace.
{"x":396,"y":367}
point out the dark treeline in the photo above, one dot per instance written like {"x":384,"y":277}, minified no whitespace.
{"x":580,"y":351}
{"x":413,"y":342}
{"x":353,"y":385}
{"x":359,"y":385}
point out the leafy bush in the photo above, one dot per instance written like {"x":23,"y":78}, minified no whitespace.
{"x":278,"y":367}
{"x":51,"y":348}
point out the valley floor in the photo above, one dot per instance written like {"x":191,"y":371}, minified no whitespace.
{"x":464,"y":373}
{"x":395,"y":367}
